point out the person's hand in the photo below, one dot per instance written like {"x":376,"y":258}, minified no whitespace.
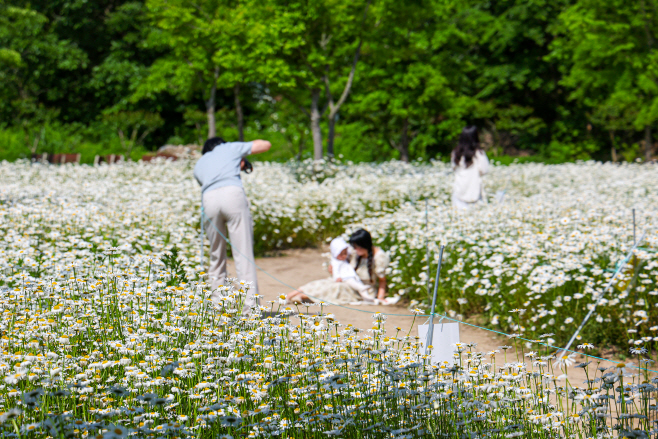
{"x":330,"y":269}
{"x":339,"y":280}
{"x":246,"y":166}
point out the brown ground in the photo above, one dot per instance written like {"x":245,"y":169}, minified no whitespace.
{"x":297,"y":267}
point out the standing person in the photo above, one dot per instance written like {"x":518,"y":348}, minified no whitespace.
{"x":226,"y":206}
{"x":470,"y":163}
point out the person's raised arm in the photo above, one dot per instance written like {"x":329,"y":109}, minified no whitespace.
{"x":258,"y":146}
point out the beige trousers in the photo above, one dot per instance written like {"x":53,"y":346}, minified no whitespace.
{"x":228,"y":207}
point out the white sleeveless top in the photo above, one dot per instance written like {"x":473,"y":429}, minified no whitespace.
{"x":468,"y":181}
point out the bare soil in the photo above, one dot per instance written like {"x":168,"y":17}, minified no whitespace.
{"x":297,"y":267}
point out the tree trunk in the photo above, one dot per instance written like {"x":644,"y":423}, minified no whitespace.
{"x":403,"y":146}
{"x":613,"y":149}
{"x":122,"y":138}
{"x":404,"y":141}
{"x":330,"y":135}
{"x":315,"y":125}
{"x":333,"y":109}
{"x":210,"y":106}
{"x":210,"y":112}
{"x":238,"y":111}
{"x":301,"y":145}
{"x":35,"y":144}
{"x":131,"y":143}
{"x":198,"y":132}
{"x":648,"y":144}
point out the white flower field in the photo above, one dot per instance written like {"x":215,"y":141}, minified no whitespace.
{"x":107,"y":330}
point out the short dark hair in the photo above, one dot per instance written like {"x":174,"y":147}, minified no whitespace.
{"x":211,"y":144}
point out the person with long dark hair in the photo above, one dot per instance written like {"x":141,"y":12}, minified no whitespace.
{"x":470,"y":163}
{"x":370,"y":263}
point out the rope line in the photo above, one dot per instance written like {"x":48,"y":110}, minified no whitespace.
{"x":443,"y":316}
{"x":546,"y":345}
{"x":605,"y":290}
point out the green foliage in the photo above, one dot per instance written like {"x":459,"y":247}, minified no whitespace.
{"x":32,"y":57}
{"x":209,"y":45}
{"x":174,"y":266}
{"x":565,"y":152}
{"x":404,"y":79}
{"x":56,"y":138}
{"x":138,"y":123}
{"x":321,"y":49}
{"x":608,"y":57}
{"x":564,"y":80}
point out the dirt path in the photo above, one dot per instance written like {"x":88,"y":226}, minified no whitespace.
{"x":297,"y":267}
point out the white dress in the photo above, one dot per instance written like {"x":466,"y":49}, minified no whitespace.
{"x":330,"y":291}
{"x":468,"y":188}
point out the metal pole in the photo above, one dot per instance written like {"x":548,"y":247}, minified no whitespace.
{"x":427,"y":248}
{"x":634,"y":226}
{"x":201,"y":234}
{"x":430,"y":330}
{"x":612,"y":279}
{"x":635,"y":267}
{"x":201,"y":243}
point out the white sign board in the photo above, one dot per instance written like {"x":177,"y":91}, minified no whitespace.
{"x":443,"y":342}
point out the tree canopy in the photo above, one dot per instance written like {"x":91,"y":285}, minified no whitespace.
{"x":366,"y":79}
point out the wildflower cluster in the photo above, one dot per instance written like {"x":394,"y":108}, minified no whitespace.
{"x":550,"y":247}
{"x":108,"y":330}
{"x":113,"y":352}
